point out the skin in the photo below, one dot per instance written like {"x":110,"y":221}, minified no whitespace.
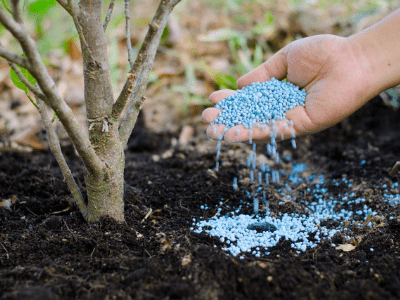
{"x":339,"y":75}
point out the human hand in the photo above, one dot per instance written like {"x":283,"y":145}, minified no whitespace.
{"x":325,"y":66}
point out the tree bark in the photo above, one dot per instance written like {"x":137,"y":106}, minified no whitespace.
{"x":104,"y":189}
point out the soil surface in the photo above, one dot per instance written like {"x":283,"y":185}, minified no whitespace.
{"x":47,"y":250}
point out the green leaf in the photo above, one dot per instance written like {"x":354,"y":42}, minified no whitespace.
{"x":2,"y":30}
{"x":41,"y":6}
{"x":165,"y":34}
{"x":18,"y":83}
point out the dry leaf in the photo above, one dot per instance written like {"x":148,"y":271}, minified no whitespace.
{"x":28,"y":137}
{"x":346,"y":247}
{"x":6,"y":203}
{"x":186,"y":260}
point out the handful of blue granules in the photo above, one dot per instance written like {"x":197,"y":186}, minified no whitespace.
{"x":259,"y":103}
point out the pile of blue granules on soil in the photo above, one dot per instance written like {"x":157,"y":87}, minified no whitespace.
{"x":324,"y":214}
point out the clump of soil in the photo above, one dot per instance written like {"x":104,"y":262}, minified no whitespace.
{"x":47,"y":250}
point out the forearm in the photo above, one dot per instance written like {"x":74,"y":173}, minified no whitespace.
{"x":377,"y":49}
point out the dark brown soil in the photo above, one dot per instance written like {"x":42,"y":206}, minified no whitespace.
{"x":47,"y":250}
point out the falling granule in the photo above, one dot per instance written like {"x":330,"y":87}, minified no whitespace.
{"x":275,"y":176}
{"x":248,"y":163}
{"x":255,"y":205}
{"x":235,"y":183}
{"x":264,"y":200}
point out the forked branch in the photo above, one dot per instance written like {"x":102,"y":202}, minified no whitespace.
{"x":14,"y":58}
{"x":34,"y":89}
{"x":55,"y":148}
{"x":38,"y":70}
{"x":53,"y":141}
{"x":16,"y":9}
{"x":135,"y":85}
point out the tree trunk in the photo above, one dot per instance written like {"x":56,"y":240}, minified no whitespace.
{"x":105,"y":191}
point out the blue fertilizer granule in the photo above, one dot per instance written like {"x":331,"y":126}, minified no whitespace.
{"x":259,"y":103}
{"x":325,"y":215}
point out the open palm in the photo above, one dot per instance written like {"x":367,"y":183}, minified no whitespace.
{"x":325,"y":66}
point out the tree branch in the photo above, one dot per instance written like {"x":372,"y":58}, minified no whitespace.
{"x":14,"y":58}
{"x":69,"y":8}
{"x":74,"y":10}
{"x":16,"y":11}
{"x":31,"y":87}
{"x":128,"y":33}
{"x":142,"y":66}
{"x":52,"y":139}
{"x":38,"y":70}
{"x":54,"y":145}
{"x":108,"y":16}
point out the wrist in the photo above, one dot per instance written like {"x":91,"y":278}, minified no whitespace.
{"x":377,"y":51}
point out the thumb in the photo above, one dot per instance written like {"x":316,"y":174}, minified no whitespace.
{"x":275,"y":66}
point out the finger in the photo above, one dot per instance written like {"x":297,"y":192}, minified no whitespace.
{"x":275,"y":66}
{"x":220,"y":95}
{"x":216,"y":131}
{"x":302,"y":122}
{"x":210,"y":114}
{"x":280,"y":130}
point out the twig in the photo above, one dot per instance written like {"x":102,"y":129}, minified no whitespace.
{"x":128,"y":33}
{"x":8,"y":257}
{"x":143,"y":64}
{"x":60,"y":211}
{"x":73,"y":9}
{"x":108,"y":16}
{"x":394,"y":168}
{"x":73,"y":234}
{"x":74,"y":12}
{"x":66,"y":225}
{"x":38,"y":70}
{"x":13,"y":57}
{"x":64,"y":4}
{"x":31,"y":211}
{"x":30,"y":86}
{"x":147,"y":215}
{"x":55,"y":148}
{"x":5,"y":6}
{"x":16,"y":11}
